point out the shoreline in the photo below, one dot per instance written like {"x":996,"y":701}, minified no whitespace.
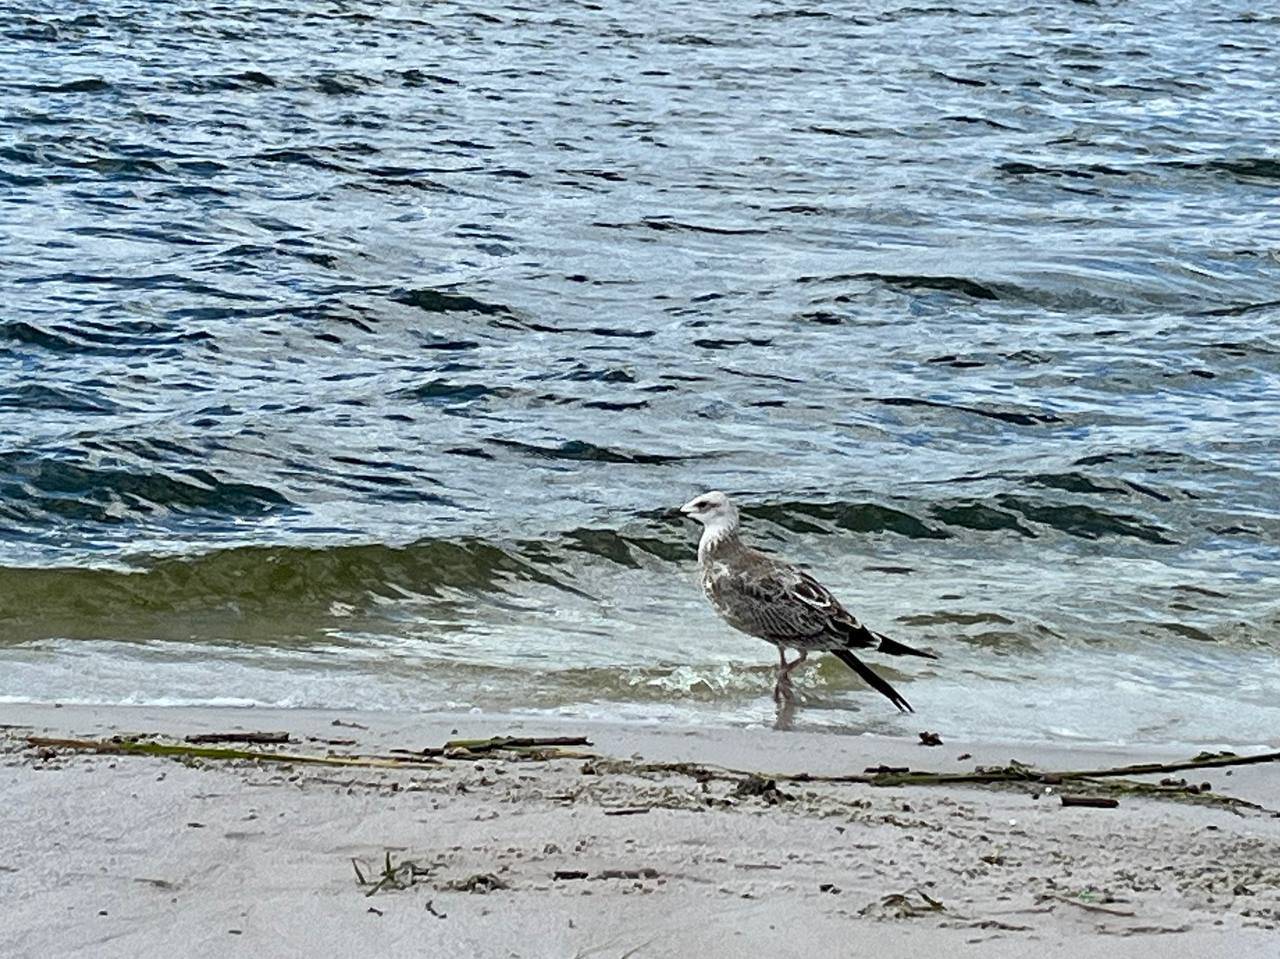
{"x":501,"y":855}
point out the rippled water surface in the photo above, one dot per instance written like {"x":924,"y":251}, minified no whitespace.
{"x":353,"y":354}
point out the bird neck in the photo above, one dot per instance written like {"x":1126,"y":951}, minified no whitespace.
{"x":716,"y":536}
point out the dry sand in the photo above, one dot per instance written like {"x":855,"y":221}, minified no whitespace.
{"x":112,"y":856}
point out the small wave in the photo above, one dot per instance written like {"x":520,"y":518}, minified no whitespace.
{"x":244,"y":80}
{"x":37,"y":489}
{"x":908,"y":281}
{"x":1017,"y":417}
{"x":258,"y":593}
{"x":446,"y":301}
{"x":855,"y":517}
{"x":1086,"y":522}
{"x":1264,"y":171}
{"x":980,"y":517}
{"x":582,"y":451}
{"x":36,"y":396}
{"x":446,"y":392}
{"x":1086,"y":172}
{"x":85,"y":85}
{"x":662,"y":224}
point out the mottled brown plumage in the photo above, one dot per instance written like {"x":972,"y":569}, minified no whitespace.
{"x":774,"y":601}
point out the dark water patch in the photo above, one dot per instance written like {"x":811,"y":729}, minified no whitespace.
{"x":472,"y":452}
{"x":663,"y":225}
{"x":84,"y":85}
{"x":42,"y":489}
{"x":852,"y":517}
{"x":851,"y":132}
{"x":822,"y":317}
{"x":582,"y":451}
{"x":32,"y":31}
{"x":305,"y":158}
{"x":1263,"y":171}
{"x":1086,"y":522}
{"x":446,"y":345}
{"x":802,"y":13}
{"x":1200,"y":591}
{"x":19,"y":180}
{"x":979,"y":121}
{"x":244,"y":80}
{"x":728,"y":344}
{"x":1153,"y":461}
{"x":1185,"y":631}
{"x":84,"y":338}
{"x":615,"y":406}
{"x":584,"y":374}
{"x":35,"y":396}
{"x":1072,"y":483}
{"x":1242,"y":309}
{"x":1144,"y":490}
{"x":948,"y":618}
{"x":1018,"y":418}
{"x":979,"y":517}
{"x":956,"y":362}
{"x":445,"y":301}
{"x":946,"y":284}
{"x":335,"y":84}
{"x":28,"y":334}
{"x":611,"y":176}
{"x":447,"y":392}
{"x":618,"y":332}
{"x":414,"y":77}
{"x":388,"y":466}
{"x":1089,"y":172}
{"x":1244,"y":349}
{"x":602,"y":542}
{"x":800,"y":209}
{"x":962,"y":81}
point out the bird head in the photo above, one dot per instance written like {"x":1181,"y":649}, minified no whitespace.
{"x":712,"y":509}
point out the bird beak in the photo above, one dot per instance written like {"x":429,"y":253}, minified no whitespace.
{"x":687,"y":509}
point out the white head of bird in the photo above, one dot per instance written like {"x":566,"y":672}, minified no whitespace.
{"x":716,"y":513}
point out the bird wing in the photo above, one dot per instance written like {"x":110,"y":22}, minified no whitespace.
{"x":766,"y":597}
{"x":839,"y":620}
{"x":774,"y":600}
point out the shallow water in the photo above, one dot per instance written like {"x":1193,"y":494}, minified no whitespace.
{"x":354,"y":354}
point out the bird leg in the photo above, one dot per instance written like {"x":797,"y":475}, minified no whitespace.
{"x":782,"y":689}
{"x":797,"y":662}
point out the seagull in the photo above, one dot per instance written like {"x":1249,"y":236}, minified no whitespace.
{"x":783,"y":605}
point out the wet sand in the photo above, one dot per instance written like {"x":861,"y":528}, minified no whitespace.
{"x":106,"y":855}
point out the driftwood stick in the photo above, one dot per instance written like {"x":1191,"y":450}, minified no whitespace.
{"x":515,"y":742}
{"x":1203,"y":761}
{"x":1093,"y":802}
{"x":459,"y":748}
{"x":182,"y":750}
{"x":243,"y":737}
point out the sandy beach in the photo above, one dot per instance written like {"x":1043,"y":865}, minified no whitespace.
{"x":642,"y":848}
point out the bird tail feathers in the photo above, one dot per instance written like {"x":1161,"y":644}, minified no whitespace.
{"x":895,"y":648}
{"x":871,"y":679}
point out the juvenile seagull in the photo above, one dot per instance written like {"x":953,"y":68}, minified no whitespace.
{"x":780,"y":604}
